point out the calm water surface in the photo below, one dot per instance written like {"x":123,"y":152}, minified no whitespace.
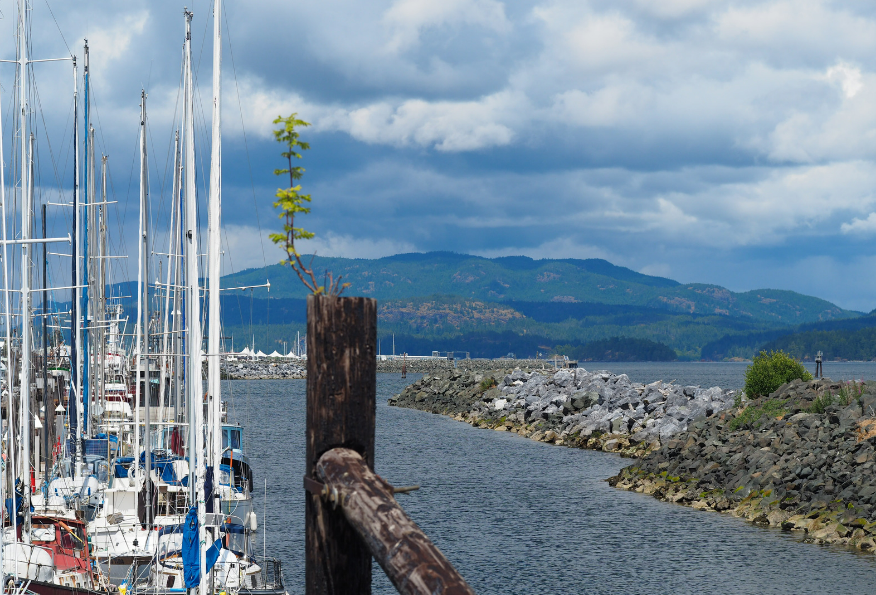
{"x":517,"y":516}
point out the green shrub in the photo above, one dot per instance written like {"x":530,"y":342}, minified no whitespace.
{"x":821,"y":403}
{"x":751,"y":415}
{"x":488,"y":383}
{"x":771,"y":370}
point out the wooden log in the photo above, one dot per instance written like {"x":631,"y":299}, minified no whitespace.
{"x":341,"y":413}
{"x":411,"y":561}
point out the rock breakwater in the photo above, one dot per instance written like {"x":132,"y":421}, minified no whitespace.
{"x":426,"y":366}
{"x":595,"y":410}
{"x":263,"y":370}
{"x":801,"y":459}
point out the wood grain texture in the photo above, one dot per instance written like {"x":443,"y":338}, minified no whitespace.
{"x":341,"y":412}
{"x":411,"y":561}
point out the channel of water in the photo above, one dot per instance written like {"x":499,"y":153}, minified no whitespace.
{"x":518,"y":516}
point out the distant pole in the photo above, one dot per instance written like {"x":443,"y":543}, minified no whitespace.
{"x":341,"y":413}
{"x":405,"y":366}
{"x":819,"y":373}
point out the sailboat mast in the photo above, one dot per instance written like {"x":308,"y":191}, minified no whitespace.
{"x":141,"y":276}
{"x":215,"y":210}
{"x":89,"y":201}
{"x":193,"y":376}
{"x":7,"y":314}
{"x":72,"y":404}
{"x":89,"y":310}
{"x":171,"y":262}
{"x":26,"y":143}
{"x":101,"y":287}
{"x":144,"y":302}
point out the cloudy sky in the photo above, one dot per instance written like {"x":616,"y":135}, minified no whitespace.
{"x":709,"y":141}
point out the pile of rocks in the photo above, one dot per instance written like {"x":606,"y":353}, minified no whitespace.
{"x":801,"y":459}
{"x":263,"y":370}
{"x":572,"y":407}
{"x":435,"y":366}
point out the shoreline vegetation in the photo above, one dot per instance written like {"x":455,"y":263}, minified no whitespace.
{"x":800,"y":459}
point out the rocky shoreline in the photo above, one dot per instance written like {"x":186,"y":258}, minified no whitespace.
{"x":435,"y":366}
{"x":594,"y":410}
{"x":801,"y":459}
{"x":283,"y":369}
{"x":263,"y":369}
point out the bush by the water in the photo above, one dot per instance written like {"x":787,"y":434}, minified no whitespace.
{"x":771,"y":370}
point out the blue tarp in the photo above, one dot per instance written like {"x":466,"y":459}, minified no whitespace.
{"x":19,"y":500}
{"x":208,"y":490}
{"x":170,"y":529}
{"x":213,"y":554}
{"x":191,"y":559}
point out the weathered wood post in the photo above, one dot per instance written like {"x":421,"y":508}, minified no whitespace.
{"x":341,"y":411}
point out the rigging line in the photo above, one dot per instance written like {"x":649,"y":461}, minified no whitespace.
{"x":58,"y":26}
{"x":161,"y":187}
{"x":46,"y":134}
{"x":167,"y":166}
{"x":245,"y":144}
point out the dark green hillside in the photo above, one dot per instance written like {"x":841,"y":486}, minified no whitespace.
{"x":835,"y":345}
{"x":845,"y":339}
{"x":442,"y":301}
{"x":620,"y":349}
{"x":522,"y":279}
{"x":451,"y":323}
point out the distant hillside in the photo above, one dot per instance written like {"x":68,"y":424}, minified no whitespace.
{"x":522,"y":279}
{"x":442,"y":301}
{"x":844,"y":339}
{"x":452,"y":323}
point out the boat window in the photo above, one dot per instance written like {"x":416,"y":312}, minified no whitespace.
{"x":73,"y":538}
{"x":101,"y":471}
{"x":236,"y":542}
{"x":231,"y":438}
{"x":43,"y":533}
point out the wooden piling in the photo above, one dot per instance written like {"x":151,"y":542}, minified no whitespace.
{"x":341,"y":411}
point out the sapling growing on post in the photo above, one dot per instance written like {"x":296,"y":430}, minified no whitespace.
{"x":291,"y":202}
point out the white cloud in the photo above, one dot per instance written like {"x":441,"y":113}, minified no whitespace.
{"x":348,"y":246}
{"x":861,"y":226}
{"x":848,"y":77}
{"x":247,"y":247}
{"x":445,"y":125}
{"x":561,"y":247}
{"x":112,"y":43}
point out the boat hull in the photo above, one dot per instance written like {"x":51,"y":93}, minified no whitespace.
{"x":41,"y":588}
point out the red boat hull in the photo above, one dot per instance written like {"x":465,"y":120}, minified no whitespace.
{"x":52,"y":589}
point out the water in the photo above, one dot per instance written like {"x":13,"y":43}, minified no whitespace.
{"x":724,"y":374}
{"x":517,"y":516}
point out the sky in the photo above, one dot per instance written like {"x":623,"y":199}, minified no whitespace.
{"x":707,"y":141}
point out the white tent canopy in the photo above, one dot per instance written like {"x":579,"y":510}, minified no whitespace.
{"x":275,"y":354}
{"x":260,"y":353}
{"x":245,"y":352}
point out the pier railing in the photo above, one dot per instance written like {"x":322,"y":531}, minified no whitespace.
{"x":351,"y":514}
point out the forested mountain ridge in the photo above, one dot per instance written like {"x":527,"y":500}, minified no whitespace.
{"x":559,"y":281}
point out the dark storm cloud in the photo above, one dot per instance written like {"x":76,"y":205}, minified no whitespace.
{"x":729,"y":142}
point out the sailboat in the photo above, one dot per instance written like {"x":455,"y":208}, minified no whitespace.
{"x":212,"y":549}
{"x":44,"y":552}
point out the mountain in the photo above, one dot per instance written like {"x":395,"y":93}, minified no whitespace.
{"x":559,"y":281}
{"x":442,"y":301}
{"x":843,"y":339}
